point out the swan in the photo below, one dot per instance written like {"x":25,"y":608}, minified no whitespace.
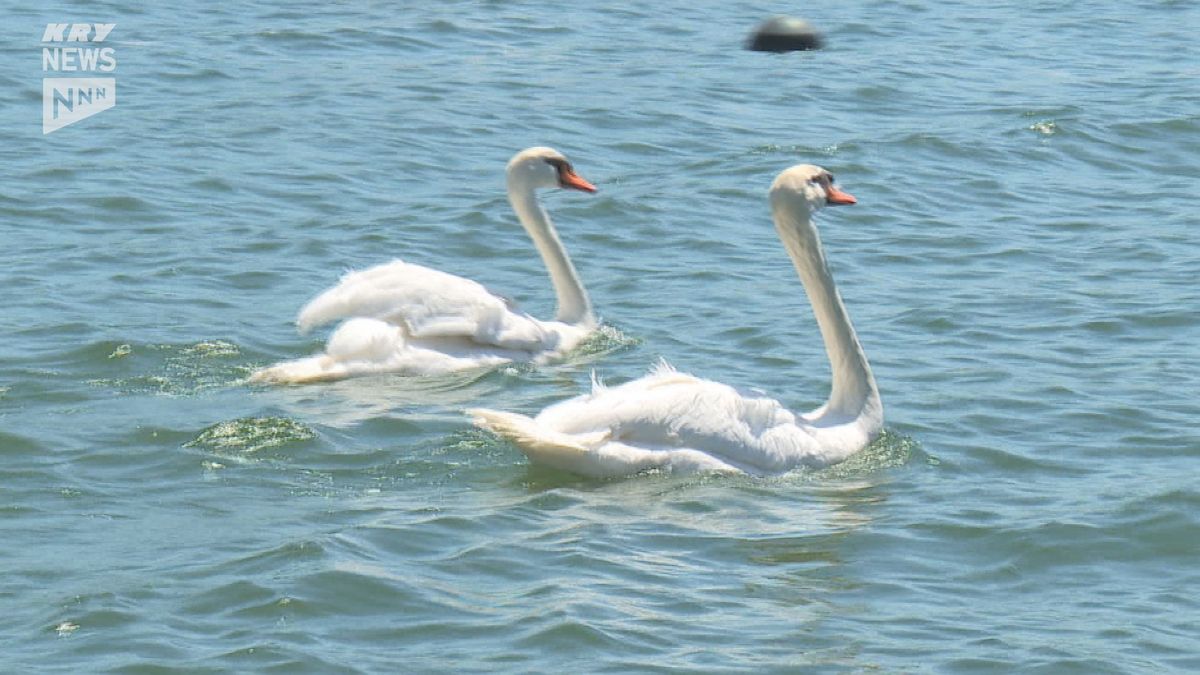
{"x":672,"y":421}
{"x":410,"y":319}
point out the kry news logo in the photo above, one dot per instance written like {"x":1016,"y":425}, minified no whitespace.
{"x":66,"y":100}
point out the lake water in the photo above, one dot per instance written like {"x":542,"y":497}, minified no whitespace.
{"x":1023,"y":268}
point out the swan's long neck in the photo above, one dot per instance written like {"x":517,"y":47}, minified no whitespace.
{"x":854,"y":395}
{"x":573,"y":304}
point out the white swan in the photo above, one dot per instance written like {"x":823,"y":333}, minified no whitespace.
{"x":414,"y":320}
{"x":669,"y":420}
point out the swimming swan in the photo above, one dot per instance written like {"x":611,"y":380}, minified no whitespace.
{"x":414,"y":320}
{"x":672,"y":421}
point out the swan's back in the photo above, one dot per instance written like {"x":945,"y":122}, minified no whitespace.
{"x":426,"y":303}
{"x":668,"y":410}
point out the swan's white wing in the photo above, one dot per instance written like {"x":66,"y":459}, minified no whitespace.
{"x":666,"y":419}
{"x":426,"y":303}
{"x":670,"y":410}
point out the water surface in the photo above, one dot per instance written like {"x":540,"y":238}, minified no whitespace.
{"x":1021,"y":268}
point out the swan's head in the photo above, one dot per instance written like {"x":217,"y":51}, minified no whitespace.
{"x":806,"y":188}
{"x":545,"y":168}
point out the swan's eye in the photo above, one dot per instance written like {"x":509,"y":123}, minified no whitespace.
{"x":561,"y":167}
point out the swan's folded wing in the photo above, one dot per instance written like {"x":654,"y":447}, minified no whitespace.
{"x":426,"y":303}
{"x":668,"y":410}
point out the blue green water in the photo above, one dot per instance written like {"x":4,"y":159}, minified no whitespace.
{"x":1021,"y":267}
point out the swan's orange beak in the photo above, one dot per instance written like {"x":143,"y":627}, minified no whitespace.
{"x":835,"y":197}
{"x":570,"y":179}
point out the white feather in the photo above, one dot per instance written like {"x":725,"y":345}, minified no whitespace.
{"x":427,"y":303}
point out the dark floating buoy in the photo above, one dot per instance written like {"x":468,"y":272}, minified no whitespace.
{"x":784,"y":34}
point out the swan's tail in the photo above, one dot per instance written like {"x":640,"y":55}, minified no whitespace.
{"x":359,"y":345}
{"x":319,"y":368}
{"x":541,"y":445}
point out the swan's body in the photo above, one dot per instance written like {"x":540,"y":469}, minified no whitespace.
{"x":669,"y":420}
{"x":411,"y":319}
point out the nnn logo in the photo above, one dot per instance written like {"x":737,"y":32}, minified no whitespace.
{"x":67,"y":100}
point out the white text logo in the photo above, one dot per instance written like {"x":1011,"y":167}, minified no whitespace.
{"x":66,"y":100}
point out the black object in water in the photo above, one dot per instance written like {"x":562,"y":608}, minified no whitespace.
{"x":784,"y":34}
